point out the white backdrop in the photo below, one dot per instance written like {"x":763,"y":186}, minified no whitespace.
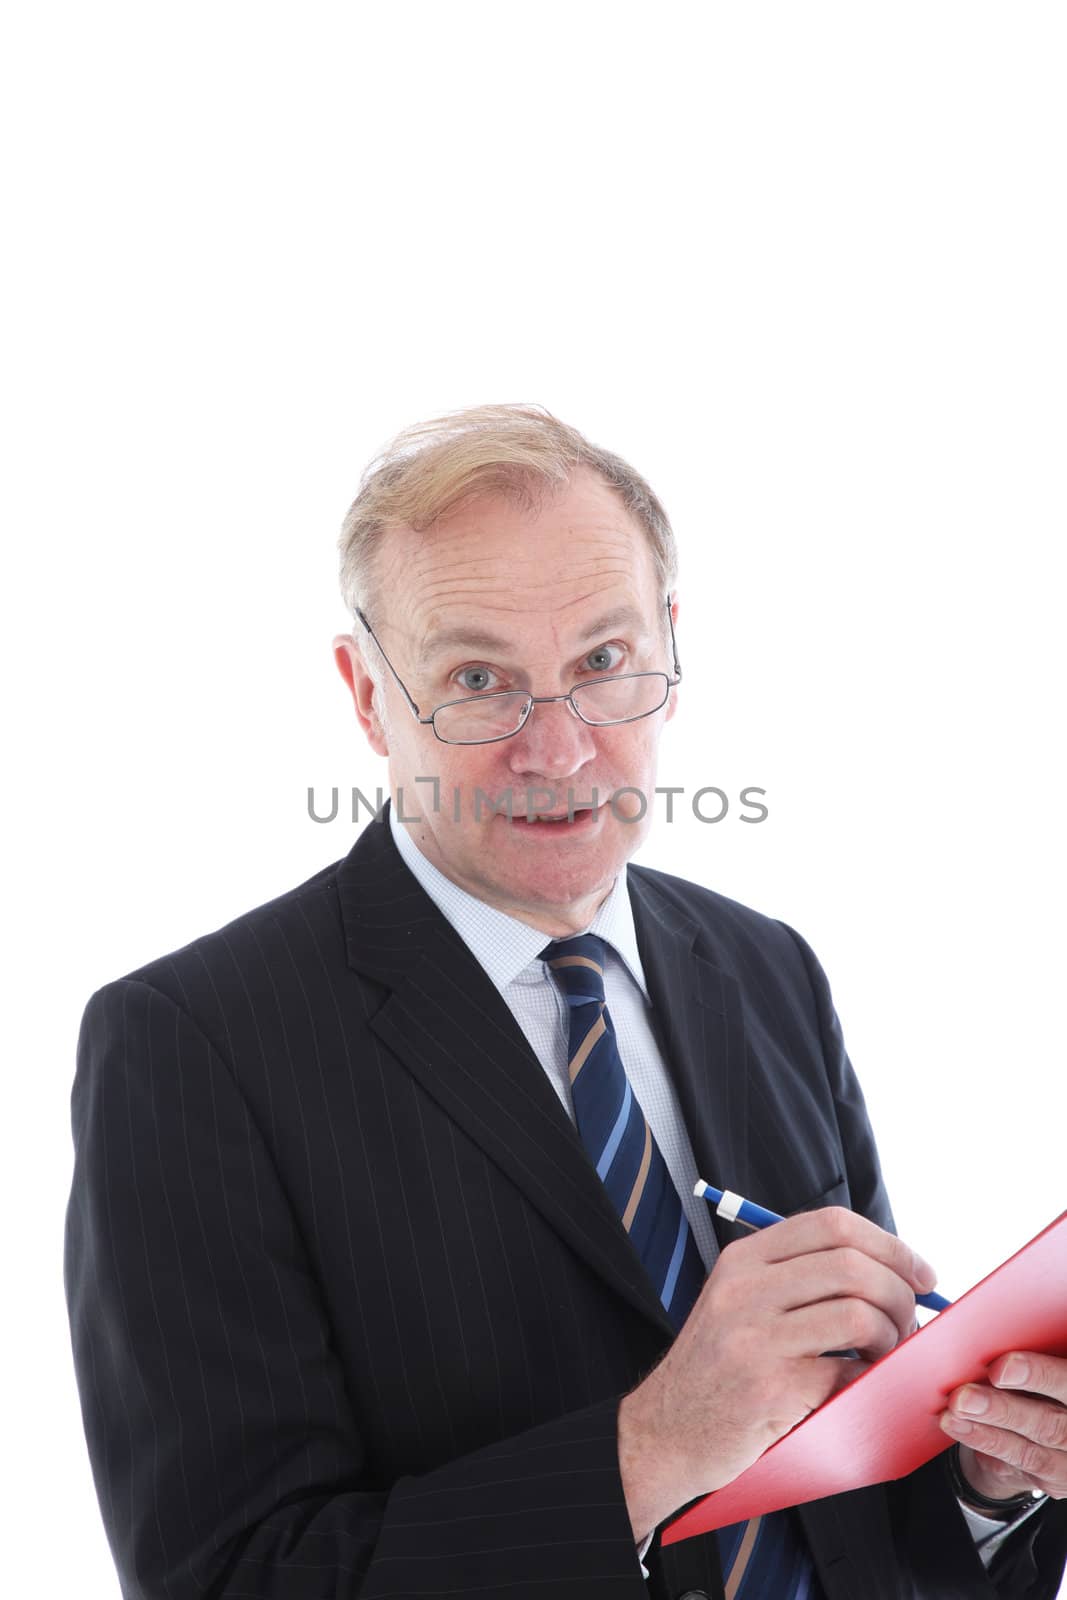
{"x":803,"y":265}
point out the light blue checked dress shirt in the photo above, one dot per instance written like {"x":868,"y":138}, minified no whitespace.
{"x":508,"y":951}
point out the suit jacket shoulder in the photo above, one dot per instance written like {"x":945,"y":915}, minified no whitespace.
{"x":772,"y":970}
{"x":246,"y":956}
{"x":732,"y":927}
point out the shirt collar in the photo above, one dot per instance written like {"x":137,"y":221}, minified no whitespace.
{"x":503,"y":945}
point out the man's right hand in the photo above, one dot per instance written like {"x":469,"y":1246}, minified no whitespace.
{"x":748,"y":1364}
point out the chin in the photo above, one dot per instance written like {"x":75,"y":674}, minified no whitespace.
{"x":554,"y":881}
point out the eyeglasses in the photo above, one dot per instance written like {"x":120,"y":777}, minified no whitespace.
{"x":603,"y":702}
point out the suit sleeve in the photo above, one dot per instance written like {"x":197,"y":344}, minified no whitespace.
{"x":1029,"y":1564}
{"x":227,"y":1456}
{"x":862,"y":1167}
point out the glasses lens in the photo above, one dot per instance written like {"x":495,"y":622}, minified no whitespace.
{"x":619,"y":699}
{"x":474,"y":721}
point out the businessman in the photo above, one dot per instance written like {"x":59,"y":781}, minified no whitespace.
{"x":384,"y":1270}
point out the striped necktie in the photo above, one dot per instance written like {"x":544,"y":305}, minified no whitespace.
{"x":613,"y":1129}
{"x":764,"y":1557}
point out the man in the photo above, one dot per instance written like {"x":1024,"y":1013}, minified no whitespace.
{"x":384,"y":1269}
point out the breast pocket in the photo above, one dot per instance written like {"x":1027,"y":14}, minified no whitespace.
{"x":835,"y":1195}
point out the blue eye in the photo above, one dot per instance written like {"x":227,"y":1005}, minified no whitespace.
{"x":596,"y":658}
{"x":469,"y":674}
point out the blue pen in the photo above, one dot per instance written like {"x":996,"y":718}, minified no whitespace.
{"x":736,"y":1209}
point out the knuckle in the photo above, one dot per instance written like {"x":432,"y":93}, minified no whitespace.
{"x":852,"y":1322}
{"x":729,"y":1289}
{"x":1034,"y":1458}
{"x":839,"y":1223}
{"x":1052,"y":1429}
{"x":862,"y":1323}
{"x":853,"y":1263}
{"x":731,"y":1261}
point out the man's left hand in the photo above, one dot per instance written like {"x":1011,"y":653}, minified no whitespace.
{"x":1013,"y":1430}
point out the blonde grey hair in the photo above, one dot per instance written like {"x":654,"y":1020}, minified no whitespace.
{"x":515,"y":450}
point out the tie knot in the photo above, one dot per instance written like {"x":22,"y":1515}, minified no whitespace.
{"x":578,"y":967}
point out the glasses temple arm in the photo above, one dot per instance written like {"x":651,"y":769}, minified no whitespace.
{"x":674,"y":642}
{"x":403,"y":689}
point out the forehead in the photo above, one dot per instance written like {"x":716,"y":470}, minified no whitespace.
{"x":440,"y":641}
{"x":496,"y":568}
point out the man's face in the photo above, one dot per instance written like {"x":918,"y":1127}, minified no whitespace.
{"x":569,"y":594}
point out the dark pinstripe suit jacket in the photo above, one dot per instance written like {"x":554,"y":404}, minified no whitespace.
{"x":351,"y":1312}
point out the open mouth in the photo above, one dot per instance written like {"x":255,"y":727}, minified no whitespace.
{"x":562,"y":822}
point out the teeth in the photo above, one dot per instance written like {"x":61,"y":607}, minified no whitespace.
{"x":541,"y":816}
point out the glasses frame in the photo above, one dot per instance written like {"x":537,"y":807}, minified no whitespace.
{"x":534,"y":699}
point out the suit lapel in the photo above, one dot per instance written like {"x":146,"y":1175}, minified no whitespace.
{"x":697,"y":1013}
{"x":448,"y":1025}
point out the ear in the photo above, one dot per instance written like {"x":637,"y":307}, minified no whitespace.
{"x":672,"y":697}
{"x":353,"y":669}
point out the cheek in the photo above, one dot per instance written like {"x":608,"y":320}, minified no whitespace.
{"x":631,"y":766}
{"x":460,"y":773}
{"x":630,"y":757}
{"x":427,"y":771}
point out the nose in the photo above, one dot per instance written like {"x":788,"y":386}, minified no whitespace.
{"x":554,"y":743}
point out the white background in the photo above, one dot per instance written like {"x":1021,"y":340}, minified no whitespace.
{"x":802,"y":264}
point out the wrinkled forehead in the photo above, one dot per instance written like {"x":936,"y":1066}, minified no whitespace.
{"x":567,"y":567}
{"x":443,"y":640}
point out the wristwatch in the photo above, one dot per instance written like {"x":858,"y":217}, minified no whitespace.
{"x":1005,"y":1510}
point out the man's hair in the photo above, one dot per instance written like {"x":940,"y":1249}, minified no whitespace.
{"x":515,"y":450}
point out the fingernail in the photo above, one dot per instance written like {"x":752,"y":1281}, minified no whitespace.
{"x":973,"y":1401}
{"x":923,"y":1273}
{"x":1016,"y":1371}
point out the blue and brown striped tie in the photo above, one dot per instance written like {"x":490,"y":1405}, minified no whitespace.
{"x":765,"y":1556}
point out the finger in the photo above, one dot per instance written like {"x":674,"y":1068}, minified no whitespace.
{"x":1014,"y":1482}
{"x":841,"y":1324}
{"x":833,"y":1227}
{"x":1028,"y":1369}
{"x":1046,"y":1486}
{"x":845,"y":1272}
{"x":1025,"y":1456}
{"x":1032,"y":1416}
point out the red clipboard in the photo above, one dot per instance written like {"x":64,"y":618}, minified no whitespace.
{"x":885,"y":1424}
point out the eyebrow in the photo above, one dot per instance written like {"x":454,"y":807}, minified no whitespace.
{"x":625,"y":616}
